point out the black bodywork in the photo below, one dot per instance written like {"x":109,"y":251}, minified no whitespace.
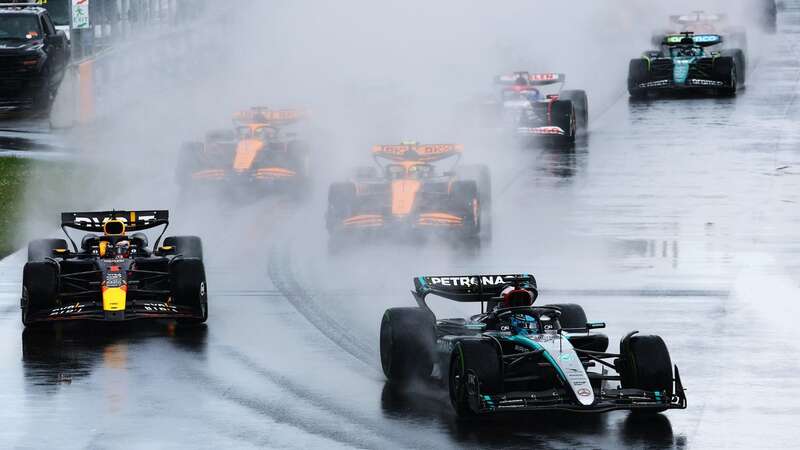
{"x":72,"y":283}
{"x":33,"y":58}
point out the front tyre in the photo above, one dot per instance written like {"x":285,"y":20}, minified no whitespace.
{"x":189,"y":288}
{"x":476,"y":368}
{"x":645,"y":364}
{"x":39,"y":289}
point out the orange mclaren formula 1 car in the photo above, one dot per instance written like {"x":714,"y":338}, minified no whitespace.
{"x":262,"y":151}
{"x":408,"y":196}
{"x":114,"y":275}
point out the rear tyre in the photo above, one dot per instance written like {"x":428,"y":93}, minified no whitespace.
{"x":39,"y":288}
{"x":301,"y":164}
{"x":581,"y":102}
{"x":188,"y":285}
{"x":465,"y":198}
{"x":187,"y":246}
{"x":638,"y":72}
{"x":476,"y":368}
{"x":572,"y":315}
{"x":341,"y":203}
{"x":645,"y":364}
{"x":480,"y":173}
{"x":563,"y":116}
{"x":407,"y":340}
{"x":41,"y":249}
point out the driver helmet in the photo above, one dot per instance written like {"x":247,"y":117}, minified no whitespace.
{"x":533,"y":95}
{"x":122,"y":248}
{"x":516,"y":296}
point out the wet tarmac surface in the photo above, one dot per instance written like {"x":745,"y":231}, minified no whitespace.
{"x":675,"y":217}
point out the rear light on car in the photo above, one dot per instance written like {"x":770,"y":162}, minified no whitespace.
{"x":30,"y":62}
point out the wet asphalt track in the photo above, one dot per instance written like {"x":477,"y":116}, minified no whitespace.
{"x":676,"y":217}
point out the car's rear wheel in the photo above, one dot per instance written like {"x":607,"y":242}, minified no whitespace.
{"x":476,"y":368}
{"x":480,"y":173}
{"x":563,"y":116}
{"x":581,"y":102}
{"x":572,"y":315}
{"x":407,"y":340}
{"x":186,"y":246}
{"x":41,"y":249}
{"x":341,"y":203}
{"x":645,"y":364}
{"x":466,"y":198}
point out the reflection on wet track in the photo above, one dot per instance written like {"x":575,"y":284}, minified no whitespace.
{"x":691,"y":237}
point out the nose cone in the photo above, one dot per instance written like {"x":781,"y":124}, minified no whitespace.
{"x":246,"y":152}
{"x":404,"y":192}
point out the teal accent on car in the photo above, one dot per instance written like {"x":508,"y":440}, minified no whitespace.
{"x":680,"y":70}
{"x":522,"y":340}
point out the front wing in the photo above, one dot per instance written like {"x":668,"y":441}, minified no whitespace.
{"x":560,"y":399}
{"x":93,"y":311}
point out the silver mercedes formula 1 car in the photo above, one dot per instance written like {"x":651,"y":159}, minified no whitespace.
{"x":514,"y":356}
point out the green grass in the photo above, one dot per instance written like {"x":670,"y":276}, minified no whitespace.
{"x":14,"y":174}
{"x":17,"y":175}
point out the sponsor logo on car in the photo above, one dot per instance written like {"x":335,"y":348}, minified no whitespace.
{"x":467,"y":281}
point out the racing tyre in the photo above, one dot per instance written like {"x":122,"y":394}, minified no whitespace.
{"x":638,"y":72}
{"x":465,"y":197}
{"x":189,"y":289}
{"x":41,"y":249}
{"x":644,"y":363}
{"x":739,"y":62}
{"x":725,"y":71}
{"x":572,"y":315}
{"x":476,"y":368}
{"x":407,"y":340}
{"x":581,"y":102}
{"x":341,"y":203}
{"x":563,"y":116}
{"x":480,"y":173}
{"x":39,"y":288}
{"x":187,"y":246}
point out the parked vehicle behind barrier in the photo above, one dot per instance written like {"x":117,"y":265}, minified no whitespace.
{"x":33,"y":58}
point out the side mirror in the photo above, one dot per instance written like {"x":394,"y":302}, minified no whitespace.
{"x":165,"y":250}
{"x":595,"y":325}
{"x":60,"y":252}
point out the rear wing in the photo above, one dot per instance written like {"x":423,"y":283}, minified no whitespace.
{"x":703,"y":40}
{"x":530,"y":79}
{"x":697,"y":16}
{"x":94,"y":221}
{"x":133,"y":220}
{"x":258,"y":115}
{"x":417,"y":152}
{"x":470,"y":288}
